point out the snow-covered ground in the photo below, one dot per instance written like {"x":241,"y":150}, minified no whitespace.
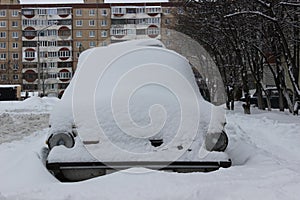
{"x":264,"y":147}
{"x":22,"y":118}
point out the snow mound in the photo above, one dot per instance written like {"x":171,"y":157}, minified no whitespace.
{"x":264,"y":148}
{"x":32,"y":104}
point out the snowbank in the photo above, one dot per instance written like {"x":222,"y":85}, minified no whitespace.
{"x":264,"y":148}
{"x":32,"y":104}
{"x":21,"y":118}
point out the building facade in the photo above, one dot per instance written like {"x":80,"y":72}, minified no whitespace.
{"x":10,"y":44}
{"x":40,"y":44}
{"x":47,"y":49}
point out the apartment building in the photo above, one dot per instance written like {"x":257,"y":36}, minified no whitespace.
{"x":40,"y":44}
{"x":10,"y":44}
{"x":47,"y":49}
{"x":91,"y":25}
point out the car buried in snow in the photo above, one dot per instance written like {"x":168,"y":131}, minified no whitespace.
{"x":134,"y":104}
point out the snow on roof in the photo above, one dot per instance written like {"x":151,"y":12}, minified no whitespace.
{"x":9,"y":86}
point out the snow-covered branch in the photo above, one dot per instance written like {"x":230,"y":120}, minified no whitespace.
{"x":251,"y":13}
{"x":264,"y":3}
{"x":289,"y":4}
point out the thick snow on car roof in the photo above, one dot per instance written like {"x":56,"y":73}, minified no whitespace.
{"x":127,"y":93}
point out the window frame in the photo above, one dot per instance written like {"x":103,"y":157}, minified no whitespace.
{"x":92,"y":23}
{"x":92,"y":33}
{"x":79,"y":23}
{"x":104,"y":35}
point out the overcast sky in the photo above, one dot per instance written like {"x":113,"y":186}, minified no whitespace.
{"x":81,"y":1}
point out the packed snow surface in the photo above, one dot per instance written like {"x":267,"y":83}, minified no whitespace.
{"x":22,"y":118}
{"x":264,"y":147}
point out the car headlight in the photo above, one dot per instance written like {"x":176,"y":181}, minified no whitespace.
{"x":216,"y":141}
{"x":63,"y":138}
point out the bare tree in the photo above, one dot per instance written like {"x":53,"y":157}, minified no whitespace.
{"x":246,"y":38}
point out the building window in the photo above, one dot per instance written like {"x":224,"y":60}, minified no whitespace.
{"x":52,"y":54}
{"x":14,"y":45}
{"x":14,"y":24}
{"x":78,"y":22}
{"x":78,"y":12}
{"x":52,"y":32}
{"x":65,"y":75}
{"x":167,"y":11}
{"x":64,"y":54}
{"x":153,"y":31}
{"x":104,"y":22}
{"x":118,"y":10}
{"x":52,"y":86}
{"x":153,"y":10}
{"x":104,"y":43}
{"x":2,"y":45}
{"x":52,"y":65}
{"x":78,"y":33}
{"x":2,"y":34}
{"x":180,"y":11}
{"x":16,"y":77}
{"x":168,"y":32}
{"x":43,"y":54}
{"x":92,"y":12}
{"x":42,"y":11}
{"x":15,"y":66}
{"x":2,"y":13}
{"x":54,"y":12}
{"x":15,"y":13}
{"x":78,"y":44}
{"x":52,"y":75}
{"x":140,"y":10}
{"x":2,"y":23}
{"x":44,"y":65}
{"x":3,"y":66}
{"x":103,"y":12}
{"x":121,"y":31}
{"x":167,"y":21}
{"x":63,"y":43}
{"x":3,"y":77}
{"x":43,"y":43}
{"x":103,"y":33}
{"x":140,"y":31}
{"x":131,"y":10}
{"x":15,"y":35}
{"x":29,"y":54}
{"x":131,"y":32}
{"x":92,"y":44}
{"x":15,"y":56}
{"x":2,"y":56}
{"x":52,"y":43}
{"x":92,"y":23}
{"x":152,"y":20}
{"x":92,"y":33}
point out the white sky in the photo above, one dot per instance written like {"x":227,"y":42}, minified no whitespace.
{"x":81,"y":1}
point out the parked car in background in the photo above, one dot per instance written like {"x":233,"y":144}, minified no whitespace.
{"x":10,"y":92}
{"x":273,"y":94}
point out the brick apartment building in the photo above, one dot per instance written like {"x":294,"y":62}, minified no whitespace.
{"x":40,"y":44}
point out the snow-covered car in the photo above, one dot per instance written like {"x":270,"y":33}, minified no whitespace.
{"x":134,"y":104}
